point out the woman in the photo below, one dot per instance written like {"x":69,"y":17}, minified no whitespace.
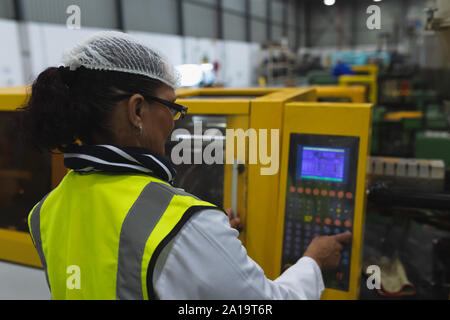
{"x":115,"y":228}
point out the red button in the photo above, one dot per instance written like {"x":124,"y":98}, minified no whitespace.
{"x":292,"y":189}
{"x":332,"y":193}
{"x":340,"y":194}
{"x":327,"y":220}
{"x":317,"y":220}
{"x":308,"y":191}
{"x":316,"y":192}
{"x":337,"y":223}
{"x":349,"y":195}
{"x":323,"y":193}
{"x":300,"y":190}
{"x":348,"y":223}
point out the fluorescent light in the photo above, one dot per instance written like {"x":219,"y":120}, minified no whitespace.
{"x":329,"y":2}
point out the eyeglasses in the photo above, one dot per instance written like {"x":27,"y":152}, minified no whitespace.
{"x":178,"y":111}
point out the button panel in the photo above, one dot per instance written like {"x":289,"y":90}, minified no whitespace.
{"x":316,"y":208}
{"x":310,"y":216}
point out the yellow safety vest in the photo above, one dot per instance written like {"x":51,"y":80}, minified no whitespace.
{"x":99,"y":235}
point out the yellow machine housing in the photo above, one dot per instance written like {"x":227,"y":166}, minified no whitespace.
{"x":365,"y":75}
{"x":26,"y":174}
{"x":355,"y":94}
{"x":322,"y":186}
{"x":258,"y":109}
{"x":369,"y":80}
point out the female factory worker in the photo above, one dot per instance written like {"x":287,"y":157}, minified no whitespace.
{"x":115,"y":227}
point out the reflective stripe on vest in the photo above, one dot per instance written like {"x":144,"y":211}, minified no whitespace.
{"x":115,"y":250}
{"x":34,"y":222}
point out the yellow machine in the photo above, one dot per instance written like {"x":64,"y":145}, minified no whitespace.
{"x":322,"y":186}
{"x":25,"y":176}
{"x":355,"y":94}
{"x":243,"y":187}
{"x":368,"y":80}
{"x":366,"y":75}
{"x":262,"y":198}
{"x":368,"y":69}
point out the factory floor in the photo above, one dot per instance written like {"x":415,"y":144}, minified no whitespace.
{"x":22,"y":283}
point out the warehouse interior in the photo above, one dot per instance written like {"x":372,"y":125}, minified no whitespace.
{"x":371,"y":75}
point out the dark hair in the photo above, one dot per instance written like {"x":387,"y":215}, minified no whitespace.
{"x":66,"y":106}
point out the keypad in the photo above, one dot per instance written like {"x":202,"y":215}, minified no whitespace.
{"x":316,"y":209}
{"x":320,"y":198}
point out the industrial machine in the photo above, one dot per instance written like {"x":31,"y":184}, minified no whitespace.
{"x":365,"y":76}
{"x":322,"y":186}
{"x":355,"y":94}
{"x":238,"y":182}
{"x":25,"y":176}
{"x":369,"y":80}
{"x":321,"y":130}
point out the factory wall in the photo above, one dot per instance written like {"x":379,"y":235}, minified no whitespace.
{"x":47,"y":42}
{"x":267,"y":19}
{"x":39,"y":35}
{"x":37,"y":38}
{"x":307,"y":22}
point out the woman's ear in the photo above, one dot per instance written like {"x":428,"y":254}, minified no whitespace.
{"x":135,"y":105}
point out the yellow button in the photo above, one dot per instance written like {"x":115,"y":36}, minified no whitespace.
{"x":338,"y":210}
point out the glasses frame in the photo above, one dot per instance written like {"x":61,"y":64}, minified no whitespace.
{"x":171,"y":105}
{"x":178,"y":108}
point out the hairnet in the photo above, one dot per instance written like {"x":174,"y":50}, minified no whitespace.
{"x":118,"y":51}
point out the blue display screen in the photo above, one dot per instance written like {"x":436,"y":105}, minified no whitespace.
{"x":322,"y":163}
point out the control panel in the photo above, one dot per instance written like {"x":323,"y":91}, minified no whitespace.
{"x":320,"y":198}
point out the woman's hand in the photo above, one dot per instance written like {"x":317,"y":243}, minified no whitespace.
{"x":235,"y":221}
{"x":326,"y":250}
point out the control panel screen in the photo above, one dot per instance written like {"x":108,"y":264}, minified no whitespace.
{"x":324,"y":164}
{"x":320,"y":198}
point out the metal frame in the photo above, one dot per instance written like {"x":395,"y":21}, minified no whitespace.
{"x":248,"y":24}
{"x":180,"y":18}
{"x":119,"y":15}
{"x":269,"y":20}
{"x":18,"y":10}
{"x":219,"y":14}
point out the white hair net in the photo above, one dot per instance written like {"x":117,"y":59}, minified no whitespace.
{"x":118,"y":51}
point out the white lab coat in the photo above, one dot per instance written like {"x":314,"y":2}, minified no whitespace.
{"x":207,"y":261}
